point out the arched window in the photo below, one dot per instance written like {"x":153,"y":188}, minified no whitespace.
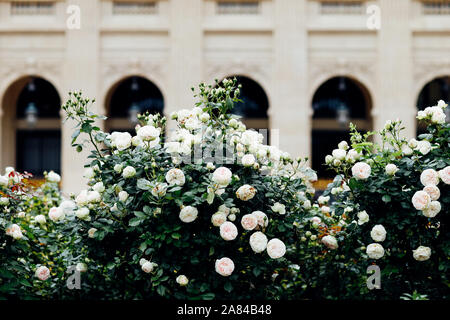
{"x":336,"y":103}
{"x":254,"y":106}
{"x":31,"y":128}
{"x":431,"y":93}
{"x":128,"y":98}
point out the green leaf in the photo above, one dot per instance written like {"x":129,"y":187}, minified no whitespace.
{"x":228,"y":287}
{"x":143,"y":184}
{"x":386,"y":198}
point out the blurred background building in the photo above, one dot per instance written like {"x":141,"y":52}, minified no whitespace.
{"x":308,"y":67}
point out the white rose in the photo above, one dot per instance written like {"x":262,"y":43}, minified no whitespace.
{"x":129,"y":172}
{"x":210,"y":166}
{"x":68,"y":206}
{"x":412,"y":143}
{"x":82,"y":213}
{"x":307,"y":204}
{"x":4,"y":201}
{"x":182,"y":280}
{"x":40,"y":218}
{"x":81,"y":267}
{"x":421,"y":200}
{"x":224,"y":266}
{"x":433,"y":191}
{"x":148,"y":133}
{"x":424,"y":147}
{"x":442,"y":104}
{"x":42,"y":273}
{"x":444,"y":174}
{"x":339,"y":154}
{"x":99,"y":187}
{"x":422,"y":253}
{"x":123,"y":196}
{"x":228,"y":231}
{"x":325,"y":209}
{"x":91,"y":232}
{"x":249,"y":222}
{"x":263,"y":221}
{"x":330,"y":242}
{"x":53,"y":177}
{"x":175,"y":177}
{"x":89,"y":173}
{"x":232,"y":217}
{"x":432,"y":210}
{"x":121,"y":140}
{"x":94,"y":197}
{"x":391,"y":169}
{"x":329,"y":159}
{"x":118,"y":168}
{"x":361,"y":171}
{"x":375,"y":251}
{"x":218,"y":218}
{"x":204,"y":117}
{"x":323,"y":200}
{"x":4,"y":181}
{"x":279,"y":208}
{"x":222,"y":176}
{"x":248,"y":160}
{"x":56,"y":214}
{"x":142,"y":261}
{"x":363,"y":217}
{"x":245,"y":192}
{"x":429,"y":177}
{"x":316,"y":221}
{"x":82,"y":198}
{"x":258,"y":242}
{"x":160,"y":189}
{"x":343,"y":145}
{"x":438,"y":116}
{"x":188,"y":214}
{"x":276,"y":248}
{"x":147,"y":267}
{"x":406,"y":150}
{"x":378,"y":233}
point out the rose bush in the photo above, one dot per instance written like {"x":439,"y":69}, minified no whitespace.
{"x":209,"y":213}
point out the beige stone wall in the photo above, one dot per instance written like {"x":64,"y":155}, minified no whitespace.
{"x":290,"y":48}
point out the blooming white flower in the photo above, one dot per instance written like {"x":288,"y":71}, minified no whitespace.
{"x":42,"y":273}
{"x":315,"y":221}
{"x":99,"y":187}
{"x":4,"y":201}
{"x":232,"y":217}
{"x":429,"y":177}
{"x":129,"y":172}
{"x":276,"y":248}
{"x":222,"y":176}
{"x":82,"y":213}
{"x":4,"y":181}
{"x":82,"y":198}
{"x":94,"y":197}
{"x":363,"y":217}
{"x":307,"y":204}
{"x":323,"y":200}
{"x":40,"y":218}
{"x":444,"y":174}
{"x":89,"y":173}
{"x":123,"y":196}
{"x":224,"y":266}
{"x":218,"y":218}
{"x":120,"y":140}
{"x":361,"y":170}
{"x":279,"y":208}
{"x":14,"y":231}
{"x":182,"y":280}
{"x":442,"y":104}
{"x":188,"y":214}
{"x":330,"y":242}
{"x":210,"y":166}
{"x":258,"y":242}
{"x":343,"y":145}
{"x":118,"y":168}
{"x":56,"y":214}
{"x":160,"y":189}
{"x":249,"y":222}
{"x":148,"y":267}
{"x":422,"y":253}
{"x":375,"y":251}
{"x":339,"y":154}
{"x":433,"y":191}
{"x":148,"y":133}
{"x":424,"y":147}
{"x":245,"y":192}
{"x":325,"y":209}
{"x":228,"y":231}
{"x":329,"y":159}
{"x":142,"y":261}
{"x":68,"y":206}
{"x":432,"y":210}
{"x":406,"y":150}
{"x":91,"y":232}
{"x":204,"y":117}
{"x":175,"y":177}
{"x":248,"y":160}
{"x":53,"y":177}
{"x":378,"y":233}
{"x":421,"y":200}
{"x":391,"y":169}
{"x":263,"y":221}
{"x":81,"y":267}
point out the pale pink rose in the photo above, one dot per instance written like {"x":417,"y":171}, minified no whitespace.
{"x":444,"y":174}
{"x":421,"y":200}
{"x":429,"y":177}
{"x":330,"y":242}
{"x":56,"y":214}
{"x":361,"y":171}
{"x":432,"y":210}
{"x":245,"y":192}
{"x":228,"y":231}
{"x":276,"y":248}
{"x":433,"y":191}
{"x":218,"y":218}
{"x":263,"y":221}
{"x":249,"y":222}
{"x":42,"y":273}
{"x":222,"y":176}
{"x":224,"y":266}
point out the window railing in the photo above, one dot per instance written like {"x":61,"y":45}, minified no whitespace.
{"x":342,"y":7}
{"x":24,"y":8}
{"x":238,"y":7}
{"x":436,"y":7}
{"x":134,"y":8}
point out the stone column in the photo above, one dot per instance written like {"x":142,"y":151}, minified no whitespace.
{"x":395,"y":67}
{"x":186,"y":54}
{"x":81,"y":72}
{"x":290,"y":110}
